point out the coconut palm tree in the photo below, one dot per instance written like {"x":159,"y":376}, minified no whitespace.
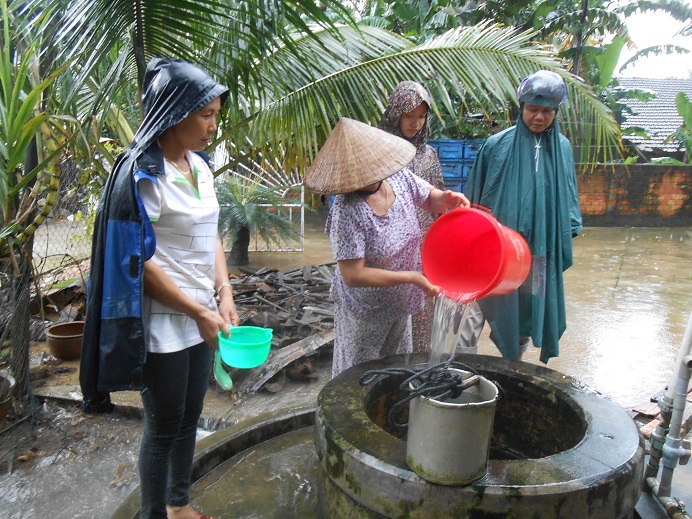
{"x":483,"y":63}
{"x":294,"y":71}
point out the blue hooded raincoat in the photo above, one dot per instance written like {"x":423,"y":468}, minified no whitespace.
{"x":113,"y":348}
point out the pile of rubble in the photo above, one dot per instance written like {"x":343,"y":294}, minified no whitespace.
{"x":295,"y":305}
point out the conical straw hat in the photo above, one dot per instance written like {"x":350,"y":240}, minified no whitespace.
{"x":356,"y":155}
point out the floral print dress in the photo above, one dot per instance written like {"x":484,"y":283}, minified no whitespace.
{"x":371,"y":322}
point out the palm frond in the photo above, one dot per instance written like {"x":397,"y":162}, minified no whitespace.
{"x":223,"y":36}
{"x":485,"y":63}
{"x":246,"y":202}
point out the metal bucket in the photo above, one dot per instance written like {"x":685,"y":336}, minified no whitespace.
{"x":448,"y":442}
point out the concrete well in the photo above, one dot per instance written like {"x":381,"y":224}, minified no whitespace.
{"x":559,"y":449}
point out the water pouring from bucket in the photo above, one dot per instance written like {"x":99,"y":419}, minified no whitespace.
{"x":469,"y":255}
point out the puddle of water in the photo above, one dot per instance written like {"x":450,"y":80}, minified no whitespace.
{"x":81,"y":470}
{"x":628,"y":300}
{"x":278,"y":475}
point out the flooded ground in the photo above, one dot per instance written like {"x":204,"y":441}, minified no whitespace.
{"x":628,"y":302}
{"x":629,"y":299}
{"x":628,"y":295}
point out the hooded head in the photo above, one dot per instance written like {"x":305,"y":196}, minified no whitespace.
{"x":407,"y":96}
{"x":544,"y":88}
{"x":172,"y":90}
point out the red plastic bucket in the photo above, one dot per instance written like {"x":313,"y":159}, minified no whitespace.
{"x":470,"y":255}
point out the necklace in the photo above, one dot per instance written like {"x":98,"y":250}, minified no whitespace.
{"x":538,"y":149}
{"x":375,"y":203}
{"x":178,"y":167}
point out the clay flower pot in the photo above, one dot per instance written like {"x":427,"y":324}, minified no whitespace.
{"x":65,"y":340}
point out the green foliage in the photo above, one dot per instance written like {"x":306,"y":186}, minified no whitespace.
{"x":20,"y":102}
{"x":250,"y":204}
{"x":31,"y":137}
{"x":683,"y":134}
{"x":616,"y":98}
{"x":684,"y":106}
{"x":475,"y":126}
{"x":667,"y":160}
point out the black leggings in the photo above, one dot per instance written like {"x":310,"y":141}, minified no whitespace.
{"x":173,"y":396}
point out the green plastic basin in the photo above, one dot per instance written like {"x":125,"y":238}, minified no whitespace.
{"x":247,"y":347}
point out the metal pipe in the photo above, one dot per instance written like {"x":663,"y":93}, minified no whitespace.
{"x":677,"y":393}
{"x":658,"y":438}
{"x":670,"y":505}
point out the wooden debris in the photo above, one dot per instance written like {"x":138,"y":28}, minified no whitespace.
{"x":280,"y":359}
{"x":302,"y":370}
{"x":295,"y":305}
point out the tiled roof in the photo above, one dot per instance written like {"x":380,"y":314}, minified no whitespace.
{"x":659,"y":116}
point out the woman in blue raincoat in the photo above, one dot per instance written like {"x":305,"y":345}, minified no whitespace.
{"x":526,"y":176}
{"x":157,"y":266}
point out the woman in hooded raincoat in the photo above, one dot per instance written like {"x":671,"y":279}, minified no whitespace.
{"x":406,"y":116}
{"x":526,"y":176}
{"x":157,"y":268}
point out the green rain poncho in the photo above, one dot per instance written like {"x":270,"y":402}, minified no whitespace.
{"x":529,"y":182}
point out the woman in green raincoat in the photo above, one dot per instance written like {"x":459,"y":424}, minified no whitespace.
{"x":525,"y":175}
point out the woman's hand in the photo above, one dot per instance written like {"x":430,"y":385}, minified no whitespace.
{"x":356,"y":274}
{"x":452,"y":199}
{"x":158,"y":285}
{"x":227,"y":310}
{"x":209,"y":323}
{"x":426,"y":286}
{"x":439,"y":201}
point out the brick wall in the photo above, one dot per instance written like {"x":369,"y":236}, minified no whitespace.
{"x":642,"y":195}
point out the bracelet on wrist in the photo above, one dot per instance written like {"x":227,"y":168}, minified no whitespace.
{"x":223,"y":285}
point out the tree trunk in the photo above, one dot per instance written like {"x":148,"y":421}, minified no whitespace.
{"x":579,"y":39}
{"x":239,"y":250}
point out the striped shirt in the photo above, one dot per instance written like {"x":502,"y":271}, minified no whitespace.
{"x":186,"y":225}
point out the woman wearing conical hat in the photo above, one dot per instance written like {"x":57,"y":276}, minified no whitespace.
{"x":375,"y":236}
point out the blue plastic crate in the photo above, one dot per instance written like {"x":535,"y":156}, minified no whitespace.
{"x":451,"y":150}
{"x":471,"y":148}
{"x":456,"y":184}
{"x":452,"y":169}
{"x":456,"y":168}
{"x":456,"y":149}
